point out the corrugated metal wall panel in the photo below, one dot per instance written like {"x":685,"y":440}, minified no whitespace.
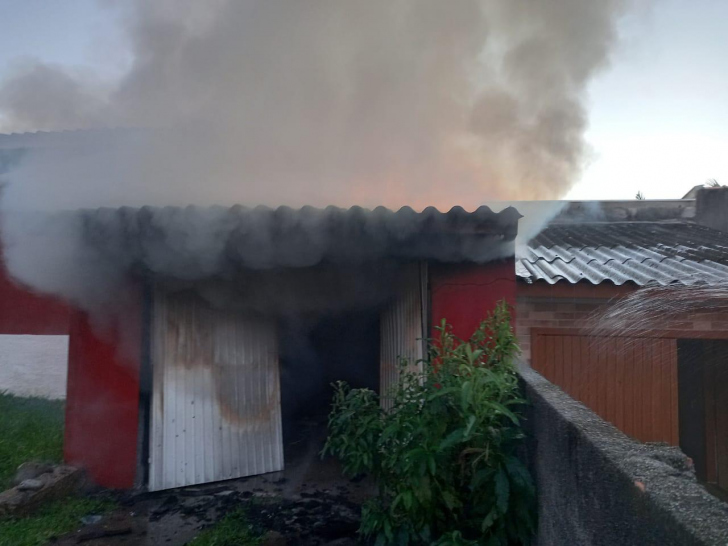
{"x":403,"y":325}
{"x":628,"y":381}
{"x":216,"y":410}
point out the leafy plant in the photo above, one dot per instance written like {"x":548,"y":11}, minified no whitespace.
{"x":444,"y":455}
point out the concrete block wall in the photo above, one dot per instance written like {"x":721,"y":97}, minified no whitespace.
{"x":596,"y":486}
{"x":576,"y":313}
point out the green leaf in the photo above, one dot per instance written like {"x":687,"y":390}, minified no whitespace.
{"x":488,"y":520}
{"x":388,"y":530}
{"x":408,"y":498}
{"x":481,"y":477}
{"x":493,"y":541}
{"x":466,"y":395}
{"x":469,"y":426}
{"x":502,"y":491}
{"x":403,"y":537}
{"x":453,"y":438}
{"x":518,"y":472}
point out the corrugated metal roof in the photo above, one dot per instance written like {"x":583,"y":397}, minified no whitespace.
{"x":200,"y":241}
{"x":619,"y":252}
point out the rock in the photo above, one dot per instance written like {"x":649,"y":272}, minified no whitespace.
{"x":95,"y":533}
{"x":91,"y":519}
{"x":30,"y":485}
{"x":337,"y":528}
{"x":12,"y":502}
{"x":170,"y":504}
{"x":225,"y":493}
{"x":346,"y":541}
{"x":204,"y":491}
{"x":274,"y":538}
{"x":26,"y":498}
{"x":31,"y":470}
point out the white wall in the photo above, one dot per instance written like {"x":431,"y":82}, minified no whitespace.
{"x":34,"y":365}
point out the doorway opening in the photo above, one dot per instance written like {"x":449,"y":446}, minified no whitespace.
{"x":314,"y":353}
{"x":703,"y":409}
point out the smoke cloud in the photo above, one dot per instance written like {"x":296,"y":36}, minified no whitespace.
{"x":322,"y":102}
{"x":384,"y":102}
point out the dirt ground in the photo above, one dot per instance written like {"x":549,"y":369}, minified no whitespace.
{"x":309,"y":503}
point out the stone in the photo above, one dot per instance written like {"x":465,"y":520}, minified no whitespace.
{"x":274,"y":538}
{"x":12,"y":502}
{"x":30,"y":485}
{"x":345,"y":541}
{"x":96,"y":532}
{"x":22,"y":501}
{"x":30,"y":470}
{"x":225,"y":493}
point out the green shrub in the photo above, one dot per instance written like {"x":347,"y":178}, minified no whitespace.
{"x":444,"y":455}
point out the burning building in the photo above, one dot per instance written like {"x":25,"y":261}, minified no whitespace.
{"x":207,"y":356}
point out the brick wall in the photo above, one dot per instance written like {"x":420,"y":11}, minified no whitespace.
{"x":571,"y":312}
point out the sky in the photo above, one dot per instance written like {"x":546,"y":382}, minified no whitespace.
{"x":658,"y":115}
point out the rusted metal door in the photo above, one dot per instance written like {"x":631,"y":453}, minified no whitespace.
{"x":216,"y":410}
{"x":628,"y":381}
{"x":403,"y":327}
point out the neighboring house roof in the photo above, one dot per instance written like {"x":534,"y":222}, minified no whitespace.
{"x":693,"y":191}
{"x":619,"y":252}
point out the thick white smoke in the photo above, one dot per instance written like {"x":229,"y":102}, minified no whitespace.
{"x":317,"y":102}
{"x":384,"y":102}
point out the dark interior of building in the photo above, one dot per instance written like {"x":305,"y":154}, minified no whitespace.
{"x":314,"y":353}
{"x":703,"y":409}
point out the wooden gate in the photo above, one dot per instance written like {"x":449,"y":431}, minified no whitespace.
{"x":628,"y":381}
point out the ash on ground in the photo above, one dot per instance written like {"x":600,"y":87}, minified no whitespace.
{"x":308,"y":503}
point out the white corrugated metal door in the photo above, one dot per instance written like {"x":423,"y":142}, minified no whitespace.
{"x":403,"y":331}
{"x":216,"y":411}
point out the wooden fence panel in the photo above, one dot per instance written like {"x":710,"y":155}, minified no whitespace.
{"x":629,"y":381}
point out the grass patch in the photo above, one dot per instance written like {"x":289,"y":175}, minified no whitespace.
{"x":232,"y":530}
{"x":54,"y":520}
{"x":30,"y":429}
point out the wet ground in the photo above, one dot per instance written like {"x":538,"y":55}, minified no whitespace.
{"x":309,"y":503}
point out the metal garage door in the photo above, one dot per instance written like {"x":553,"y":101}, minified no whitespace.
{"x":628,"y":381}
{"x":403,"y":327}
{"x":216,"y":410}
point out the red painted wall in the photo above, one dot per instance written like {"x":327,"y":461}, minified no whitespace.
{"x":25,"y":312}
{"x":465,"y":294}
{"x":102,"y":403}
